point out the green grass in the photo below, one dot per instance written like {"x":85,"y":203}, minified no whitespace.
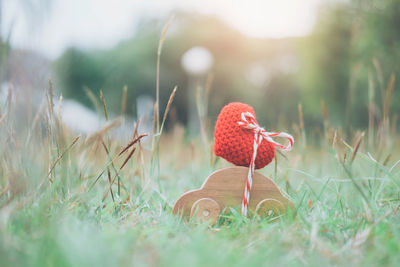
{"x":347,"y":211}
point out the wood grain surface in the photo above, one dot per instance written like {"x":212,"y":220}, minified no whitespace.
{"x":226,"y":187}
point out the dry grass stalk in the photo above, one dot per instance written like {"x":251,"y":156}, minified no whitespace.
{"x":92,"y":98}
{"x":113,"y":166}
{"x":278,"y":151}
{"x":109,"y":125}
{"x":60,"y":104}
{"x":103,"y":103}
{"x":357,"y":146}
{"x":60,"y":127}
{"x":334,"y":139}
{"x":140,"y":151}
{"x":210,"y":79}
{"x":202,"y":99}
{"x":155,"y":119}
{"x":124,"y":99}
{"x":109,"y":180}
{"x":111,"y":162}
{"x":160,"y":44}
{"x":163,"y":34}
{"x":170,"y":100}
{"x":156,"y":139}
{"x":389,"y":92}
{"x":127,"y":158}
{"x":49,"y":97}
{"x":105,"y":146}
{"x":378,"y":70}
{"x":301,"y":125}
{"x":116,"y":175}
{"x":108,"y":168}
{"x":131,"y":143}
{"x":324,"y":112}
{"x":371,"y":96}
{"x":301,"y":119}
{"x":135,"y":130}
{"x":211,"y":154}
{"x":370,"y":127}
{"x":49,"y":130}
{"x":386,"y":161}
{"x":62,"y":155}
{"x":108,"y":153}
{"x":9,"y":98}
{"x":98,"y":177}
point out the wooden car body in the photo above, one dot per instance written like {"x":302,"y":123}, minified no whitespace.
{"x":225,"y":188}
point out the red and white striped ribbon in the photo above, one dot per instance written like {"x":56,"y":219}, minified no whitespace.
{"x":249,"y":122}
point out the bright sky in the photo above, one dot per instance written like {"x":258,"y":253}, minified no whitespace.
{"x":103,"y":23}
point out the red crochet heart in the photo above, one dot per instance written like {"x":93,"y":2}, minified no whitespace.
{"x":235,"y":143}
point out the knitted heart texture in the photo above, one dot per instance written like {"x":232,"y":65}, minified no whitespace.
{"x":235,"y":143}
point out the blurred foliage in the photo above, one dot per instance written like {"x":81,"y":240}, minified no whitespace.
{"x":133,"y":63}
{"x":346,"y":62}
{"x":325,"y":63}
{"x":4,"y":51}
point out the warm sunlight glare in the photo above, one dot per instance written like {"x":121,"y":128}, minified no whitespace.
{"x":266,"y":18}
{"x":89,"y":29}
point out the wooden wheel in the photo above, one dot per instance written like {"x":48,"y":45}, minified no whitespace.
{"x":270,"y":207}
{"x":205,"y":209}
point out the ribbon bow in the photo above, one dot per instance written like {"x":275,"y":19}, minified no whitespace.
{"x":249,"y":122}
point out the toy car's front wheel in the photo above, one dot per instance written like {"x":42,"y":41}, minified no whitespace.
{"x":270,"y":207}
{"x":205,"y":209}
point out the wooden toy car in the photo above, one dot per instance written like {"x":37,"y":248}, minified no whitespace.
{"x":225,"y":188}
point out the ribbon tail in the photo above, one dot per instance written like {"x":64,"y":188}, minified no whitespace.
{"x":268,"y":136}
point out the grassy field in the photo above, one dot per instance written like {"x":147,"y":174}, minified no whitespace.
{"x":68,"y":200}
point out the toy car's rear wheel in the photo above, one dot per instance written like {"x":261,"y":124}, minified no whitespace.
{"x":270,"y":207}
{"x":205,"y":209}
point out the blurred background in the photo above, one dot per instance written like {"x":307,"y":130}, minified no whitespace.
{"x":334,"y":58}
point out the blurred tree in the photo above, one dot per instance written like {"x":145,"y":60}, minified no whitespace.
{"x":352,"y":43}
{"x":133,"y":63}
{"x":376,"y":46}
{"x":81,"y":69}
{"x":325,"y":59}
